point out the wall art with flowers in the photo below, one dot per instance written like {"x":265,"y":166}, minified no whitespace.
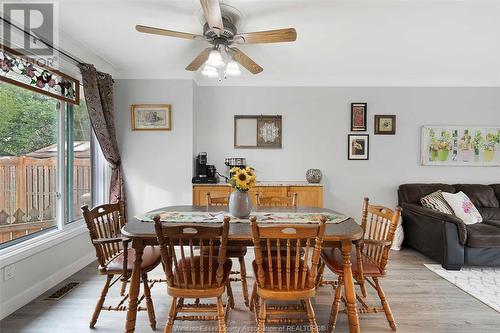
{"x":460,"y":145}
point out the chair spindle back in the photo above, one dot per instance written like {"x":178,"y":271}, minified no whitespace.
{"x":216,"y":201}
{"x":104,"y":223}
{"x":288,"y":267}
{"x":276,"y":201}
{"x":192,"y":271}
{"x":379,"y":224}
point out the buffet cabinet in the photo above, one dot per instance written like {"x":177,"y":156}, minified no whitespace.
{"x":308,"y":195}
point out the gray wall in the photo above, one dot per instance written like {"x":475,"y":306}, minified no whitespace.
{"x":157,"y":164}
{"x":315,"y":127}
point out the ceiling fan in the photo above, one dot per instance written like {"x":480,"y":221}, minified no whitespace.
{"x":221,"y":32}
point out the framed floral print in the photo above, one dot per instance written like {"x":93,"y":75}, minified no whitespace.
{"x":358,"y":147}
{"x":358,"y":117}
{"x":151,"y":117}
{"x":385,"y":124}
{"x":460,"y":145}
{"x":259,"y":131}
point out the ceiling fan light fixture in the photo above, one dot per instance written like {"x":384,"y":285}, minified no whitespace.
{"x":215,"y":59}
{"x":233,"y":69}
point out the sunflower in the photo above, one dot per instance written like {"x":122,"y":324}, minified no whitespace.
{"x":242,"y":179}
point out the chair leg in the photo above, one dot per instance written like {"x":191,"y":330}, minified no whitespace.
{"x":321,"y":270}
{"x":385,"y":305}
{"x":261,"y":321}
{"x":311,"y":316}
{"x":149,"y":302}
{"x":220,"y":315}
{"x":243,"y":275}
{"x":362,"y":287}
{"x":230,"y":296}
{"x":254,"y":297}
{"x":171,"y":316}
{"x":124,"y":285}
{"x":335,"y":306}
{"x":100,"y":302}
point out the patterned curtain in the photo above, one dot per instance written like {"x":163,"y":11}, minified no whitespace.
{"x":98,"y":89}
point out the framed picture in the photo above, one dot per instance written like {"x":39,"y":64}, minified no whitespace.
{"x":460,"y":145}
{"x":358,"y":117}
{"x":385,"y":124}
{"x":257,"y":131}
{"x":358,"y":146}
{"x":151,"y":117}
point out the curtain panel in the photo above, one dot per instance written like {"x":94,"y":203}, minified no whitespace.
{"x":98,"y":90}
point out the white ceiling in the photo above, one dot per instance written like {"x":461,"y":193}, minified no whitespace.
{"x":339,"y":43}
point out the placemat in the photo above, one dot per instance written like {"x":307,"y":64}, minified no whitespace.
{"x":211,"y":217}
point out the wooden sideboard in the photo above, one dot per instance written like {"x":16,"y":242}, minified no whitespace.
{"x":310,"y":195}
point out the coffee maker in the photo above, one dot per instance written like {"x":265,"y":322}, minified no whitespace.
{"x":204,"y":173}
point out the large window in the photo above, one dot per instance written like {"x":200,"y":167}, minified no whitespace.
{"x":42,"y":184}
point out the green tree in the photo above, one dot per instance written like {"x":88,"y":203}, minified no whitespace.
{"x":28,"y":120}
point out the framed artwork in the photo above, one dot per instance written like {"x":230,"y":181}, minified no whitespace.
{"x":358,"y":117}
{"x":460,"y":145}
{"x":385,"y":124}
{"x":358,"y":147}
{"x":257,"y":131}
{"x":151,"y":117}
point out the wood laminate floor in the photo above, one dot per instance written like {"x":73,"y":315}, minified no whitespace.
{"x":421,"y":302}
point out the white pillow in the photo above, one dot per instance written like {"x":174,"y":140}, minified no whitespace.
{"x":463,"y":207}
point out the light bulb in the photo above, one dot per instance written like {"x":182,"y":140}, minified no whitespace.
{"x":209,"y":71}
{"x":215,"y":59}
{"x":233,"y":69}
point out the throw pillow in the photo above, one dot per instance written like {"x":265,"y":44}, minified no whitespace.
{"x":435,"y":201}
{"x":463,"y":207}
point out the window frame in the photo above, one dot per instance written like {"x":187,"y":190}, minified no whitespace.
{"x":64,"y":229}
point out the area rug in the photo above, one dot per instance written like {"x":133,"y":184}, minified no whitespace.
{"x":481,"y":283}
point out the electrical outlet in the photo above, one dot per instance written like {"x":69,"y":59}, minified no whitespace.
{"x":8,"y":272}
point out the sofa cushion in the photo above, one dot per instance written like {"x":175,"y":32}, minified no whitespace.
{"x":483,"y":235}
{"x":496,"y":189}
{"x":463,"y":207}
{"x":489,"y":214}
{"x":480,"y":195}
{"x":411,"y":193}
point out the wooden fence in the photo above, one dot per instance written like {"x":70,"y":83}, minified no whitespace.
{"x":28,"y":190}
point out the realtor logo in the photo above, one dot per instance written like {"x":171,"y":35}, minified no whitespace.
{"x":37,"y":19}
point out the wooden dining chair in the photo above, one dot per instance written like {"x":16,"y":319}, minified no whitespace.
{"x":369,"y":260}
{"x":195,"y":276}
{"x":104,"y":224}
{"x":288,"y":277}
{"x":276,"y":201}
{"x":236,"y":252}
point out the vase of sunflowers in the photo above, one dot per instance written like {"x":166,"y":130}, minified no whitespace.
{"x":242,"y":180}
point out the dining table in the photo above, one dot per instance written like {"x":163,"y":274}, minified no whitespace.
{"x":343,"y":235}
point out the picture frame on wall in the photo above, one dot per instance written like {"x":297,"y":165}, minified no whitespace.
{"x":385,"y":124}
{"x":258,"y":131}
{"x":358,"y":117}
{"x":460,"y":145}
{"x":151,"y":117}
{"x":358,"y":147}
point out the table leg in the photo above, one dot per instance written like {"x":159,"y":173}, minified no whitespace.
{"x":350,"y":293}
{"x":135,"y":285}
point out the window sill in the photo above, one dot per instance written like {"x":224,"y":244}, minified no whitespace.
{"x":40,"y":243}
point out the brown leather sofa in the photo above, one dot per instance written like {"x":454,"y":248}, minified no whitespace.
{"x":445,"y":238}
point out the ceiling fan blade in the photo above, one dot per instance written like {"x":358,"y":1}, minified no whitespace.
{"x":199,"y":60}
{"x":245,"y":61}
{"x":270,"y":36}
{"x":165,"y":32}
{"x":211,"y":9}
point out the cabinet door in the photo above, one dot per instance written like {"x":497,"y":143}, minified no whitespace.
{"x":308,"y":196}
{"x":268,"y":191}
{"x":200,"y":193}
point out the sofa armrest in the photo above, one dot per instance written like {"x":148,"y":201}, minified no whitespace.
{"x":427,"y":213}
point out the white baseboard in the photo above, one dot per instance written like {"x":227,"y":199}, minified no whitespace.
{"x":9,"y":306}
